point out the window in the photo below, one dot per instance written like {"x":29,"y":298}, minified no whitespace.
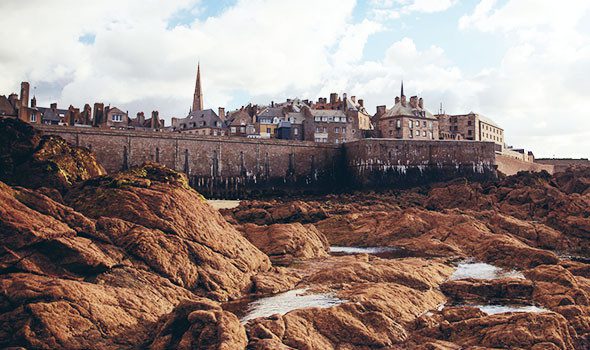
{"x":337,"y":130}
{"x":325,"y":129}
{"x":411,"y":135}
{"x":268,"y":130}
{"x":417,"y":132}
{"x":337,"y":141}
{"x":317,"y":129}
{"x":117,"y":117}
{"x":411,"y":123}
{"x":424,"y":133}
{"x":295,"y":131}
{"x":429,"y":125}
{"x":243,"y":129}
{"x":344,"y":130}
{"x":469,"y":132}
{"x":469,"y":122}
{"x":336,"y":119}
{"x":33,"y":117}
{"x":424,"y":123}
{"x":398,"y":123}
{"x":430,"y":135}
{"x":233,"y":129}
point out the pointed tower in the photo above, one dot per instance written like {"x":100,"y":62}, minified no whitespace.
{"x":198,"y":97}
{"x":402,"y":90}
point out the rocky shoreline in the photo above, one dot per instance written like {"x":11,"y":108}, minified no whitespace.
{"x":139,"y":260}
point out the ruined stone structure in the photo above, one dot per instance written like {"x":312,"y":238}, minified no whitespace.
{"x":231,"y":167}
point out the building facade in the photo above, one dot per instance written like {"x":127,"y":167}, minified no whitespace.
{"x":408,"y":120}
{"x":471,"y":126}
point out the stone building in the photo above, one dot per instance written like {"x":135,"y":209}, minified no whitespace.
{"x":268,"y":120}
{"x":152,"y":123}
{"x":408,"y":120}
{"x":355,"y":112}
{"x":471,"y":126}
{"x":199,"y":121}
{"x":13,"y":106}
{"x":116,"y":118}
{"x":240,"y":123}
{"x":52,"y":115}
{"x":327,"y":126}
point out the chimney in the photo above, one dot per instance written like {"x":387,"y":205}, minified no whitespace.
{"x":403,"y":101}
{"x":353,"y":99}
{"x":344,"y":95}
{"x":361,"y":102}
{"x":221,"y":111}
{"x":421,"y":103}
{"x":333,"y":97}
{"x":381,"y":110}
{"x":155,"y":120}
{"x":272,"y":103}
{"x":396,"y":99}
{"x":34,"y":102}
{"x":414,"y":101}
{"x":24,"y":94}
{"x":140,"y":118}
{"x":53,"y":106}
{"x":98,"y":114}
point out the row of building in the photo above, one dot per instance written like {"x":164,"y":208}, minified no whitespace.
{"x":336,"y":119}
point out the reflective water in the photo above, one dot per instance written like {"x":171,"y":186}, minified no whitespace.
{"x":498,"y":309}
{"x":382,"y":252}
{"x":362,"y":250}
{"x":288,"y":301}
{"x":483,"y":271}
{"x":223,"y":204}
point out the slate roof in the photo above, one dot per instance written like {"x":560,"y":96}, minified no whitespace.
{"x":399,"y":110}
{"x":195,"y":119}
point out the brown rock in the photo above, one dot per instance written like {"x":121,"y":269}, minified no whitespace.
{"x":287,"y":243}
{"x":199,"y":325}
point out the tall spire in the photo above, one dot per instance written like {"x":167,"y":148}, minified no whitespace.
{"x":402,"y":92}
{"x":198,"y":97}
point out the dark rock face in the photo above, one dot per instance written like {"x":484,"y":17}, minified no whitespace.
{"x":32,"y":160}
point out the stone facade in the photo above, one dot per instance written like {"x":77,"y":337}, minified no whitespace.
{"x":408,"y":121}
{"x":471,"y":126}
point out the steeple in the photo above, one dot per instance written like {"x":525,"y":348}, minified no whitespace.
{"x":198,"y":97}
{"x":402,"y":92}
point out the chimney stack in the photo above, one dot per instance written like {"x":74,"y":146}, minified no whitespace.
{"x":361,"y":102}
{"x":403,"y":101}
{"x":414,"y":101}
{"x":421,"y":103}
{"x":34,"y":102}
{"x":140,"y":118}
{"x":221,"y":111}
{"x":53,"y":106}
{"x":397,"y":99}
{"x":97,"y":115}
{"x":24,"y":101}
{"x":381,"y":110}
{"x":353,"y":98}
{"x":155,"y":120}
{"x":333,"y":97}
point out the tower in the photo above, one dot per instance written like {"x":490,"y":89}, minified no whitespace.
{"x":402,"y":90}
{"x":24,"y":101}
{"x":198,"y":97}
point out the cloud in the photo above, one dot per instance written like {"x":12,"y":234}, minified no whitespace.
{"x":393,"y":9}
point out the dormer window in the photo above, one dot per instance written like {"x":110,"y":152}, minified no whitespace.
{"x":117,"y":117}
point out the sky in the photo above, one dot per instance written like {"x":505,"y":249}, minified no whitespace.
{"x":523,"y":63}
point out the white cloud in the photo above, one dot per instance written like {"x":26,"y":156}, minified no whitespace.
{"x":392,"y":9}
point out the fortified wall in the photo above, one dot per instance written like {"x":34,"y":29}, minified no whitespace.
{"x":224,"y":167}
{"x":380,"y":163}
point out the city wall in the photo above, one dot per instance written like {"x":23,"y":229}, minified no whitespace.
{"x":218,"y":167}
{"x":224,"y":167}
{"x":561,"y":164}
{"x":382,"y":163}
{"x":510,"y":166}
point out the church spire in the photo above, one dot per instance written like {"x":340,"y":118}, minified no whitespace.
{"x":198,"y":97}
{"x":402,"y":92}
